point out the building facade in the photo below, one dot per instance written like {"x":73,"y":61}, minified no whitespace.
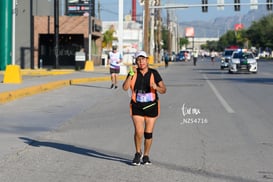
{"x":35,"y":17}
{"x":69,"y":25}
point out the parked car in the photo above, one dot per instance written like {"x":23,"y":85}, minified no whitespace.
{"x":225,"y":58}
{"x":243,"y":61}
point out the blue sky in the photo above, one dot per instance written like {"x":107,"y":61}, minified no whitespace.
{"x":109,"y":9}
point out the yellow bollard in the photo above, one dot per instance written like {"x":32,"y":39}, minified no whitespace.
{"x":89,"y":66}
{"x":12,"y":74}
{"x":151,"y":60}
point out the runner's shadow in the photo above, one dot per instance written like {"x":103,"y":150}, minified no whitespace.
{"x":76,"y":150}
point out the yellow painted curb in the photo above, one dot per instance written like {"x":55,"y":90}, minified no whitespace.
{"x":12,"y":74}
{"x":12,"y":95}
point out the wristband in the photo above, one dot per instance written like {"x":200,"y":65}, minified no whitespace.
{"x":131,"y":72}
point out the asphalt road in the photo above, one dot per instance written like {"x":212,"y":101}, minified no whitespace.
{"x":214,"y":127}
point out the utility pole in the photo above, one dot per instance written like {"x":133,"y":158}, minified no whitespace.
{"x":169,"y":31}
{"x":6,"y":33}
{"x":99,"y":9}
{"x":56,"y":31}
{"x":146,"y":26}
{"x":14,"y":4}
{"x":152,"y":23}
{"x":158,"y":34}
{"x":120,"y":26}
{"x":90,"y":30}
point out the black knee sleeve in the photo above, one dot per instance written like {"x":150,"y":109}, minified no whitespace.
{"x":148,"y":135}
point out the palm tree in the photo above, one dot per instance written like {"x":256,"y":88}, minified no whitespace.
{"x":108,"y":38}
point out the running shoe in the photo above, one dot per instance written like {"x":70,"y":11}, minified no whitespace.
{"x":112,"y":86}
{"x":136,"y":160}
{"x":116,"y":87}
{"x":146,"y":160}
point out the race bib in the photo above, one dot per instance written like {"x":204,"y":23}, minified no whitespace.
{"x":144,"y":97}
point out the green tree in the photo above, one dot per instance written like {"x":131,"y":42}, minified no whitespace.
{"x":241,"y":38}
{"x":227,"y":39}
{"x":204,"y":47}
{"x":183,"y":41}
{"x":108,"y":38}
{"x":260,"y":32}
{"x":212,"y":45}
{"x":233,"y":38}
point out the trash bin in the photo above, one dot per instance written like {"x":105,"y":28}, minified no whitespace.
{"x":102,"y":61}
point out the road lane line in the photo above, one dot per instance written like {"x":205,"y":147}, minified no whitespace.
{"x":219,"y":96}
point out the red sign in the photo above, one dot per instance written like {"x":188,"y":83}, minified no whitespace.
{"x":238,"y":26}
{"x":189,"y":32}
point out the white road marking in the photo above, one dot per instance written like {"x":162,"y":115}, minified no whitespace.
{"x":219,"y":96}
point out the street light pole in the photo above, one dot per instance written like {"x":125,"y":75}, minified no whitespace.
{"x":152,"y":44}
{"x":90,"y":32}
{"x":158,"y":34}
{"x":120,"y":27}
{"x":146,"y":26}
{"x":14,"y":3}
{"x":56,"y":31}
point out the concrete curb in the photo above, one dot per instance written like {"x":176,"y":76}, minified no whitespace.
{"x":28,"y":91}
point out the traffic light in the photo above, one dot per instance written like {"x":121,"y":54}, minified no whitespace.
{"x":269,"y":5}
{"x":204,"y":6}
{"x":237,"y":5}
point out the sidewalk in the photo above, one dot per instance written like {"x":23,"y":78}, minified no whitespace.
{"x":36,"y":81}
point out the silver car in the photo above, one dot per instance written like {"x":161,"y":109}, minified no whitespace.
{"x":243,"y":61}
{"x":225,"y":58}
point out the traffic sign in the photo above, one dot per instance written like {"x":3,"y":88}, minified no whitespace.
{"x":253,"y":4}
{"x":221,"y":4}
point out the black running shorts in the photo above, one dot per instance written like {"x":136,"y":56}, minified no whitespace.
{"x":149,"y":109}
{"x":112,"y":70}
